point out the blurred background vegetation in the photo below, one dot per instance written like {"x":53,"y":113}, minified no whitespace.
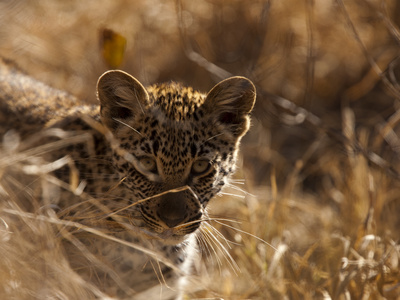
{"x":321,"y":163}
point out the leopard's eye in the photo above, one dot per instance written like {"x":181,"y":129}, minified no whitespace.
{"x":200,"y":167}
{"x":148,"y":163}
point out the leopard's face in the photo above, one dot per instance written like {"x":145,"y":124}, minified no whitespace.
{"x":167,"y":155}
{"x":176,"y":147}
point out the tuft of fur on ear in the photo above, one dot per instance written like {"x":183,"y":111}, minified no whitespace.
{"x":230,"y":103}
{"x":121,"y":97}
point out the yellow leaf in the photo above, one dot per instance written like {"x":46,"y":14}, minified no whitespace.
{"x":113,"y":47}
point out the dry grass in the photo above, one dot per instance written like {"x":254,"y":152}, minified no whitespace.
{"x":320,"y":217}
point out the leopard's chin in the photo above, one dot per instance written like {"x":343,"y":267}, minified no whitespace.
{"x":174,"y":240}
{"x":170,"y":237}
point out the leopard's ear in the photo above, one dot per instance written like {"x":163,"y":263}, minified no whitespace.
{"x":230,"y":102}
{"x":121,"y":97}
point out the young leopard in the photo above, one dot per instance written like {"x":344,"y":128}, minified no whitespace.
{"x":151,"y":160}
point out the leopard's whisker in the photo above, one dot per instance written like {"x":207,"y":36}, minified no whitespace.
{"x":233,"y":195}
{"x":218,"y":233}
{"x":221,"y":219}
{"x":212,"y":238}
{"x":230,"y":185}
{"x":212,"y":256}
{"x":159,"y":273}
{"x":246,"y":233}
{"x":127,"y":125}
{"x":183,"y":225}
{"x":209,"y":241}
{"x":236,"y":181}
{"x":164,"y":281}
{"x":228,"y":242}
{"x":160,"y":281}
{"x":235,"y":267}
{"x":203,"y":245}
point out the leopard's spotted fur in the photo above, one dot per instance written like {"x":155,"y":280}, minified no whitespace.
{"x":169,"y":144}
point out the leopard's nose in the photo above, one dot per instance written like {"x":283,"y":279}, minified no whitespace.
{"x":172,"y":209}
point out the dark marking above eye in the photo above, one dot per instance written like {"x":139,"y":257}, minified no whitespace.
{"x":154,"y":123}
{"x":193,"y":150}
{"x":156,"y":146}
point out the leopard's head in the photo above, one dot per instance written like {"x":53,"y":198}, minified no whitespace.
{"x":176,"y":147}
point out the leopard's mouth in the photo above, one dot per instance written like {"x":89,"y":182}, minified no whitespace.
{"x":167,"y":236}
{"x":174,"y":235}
{"x":171,"y":225}
{"x":177,"y":231}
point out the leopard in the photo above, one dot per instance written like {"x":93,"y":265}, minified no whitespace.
{"x":148,"y":162}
